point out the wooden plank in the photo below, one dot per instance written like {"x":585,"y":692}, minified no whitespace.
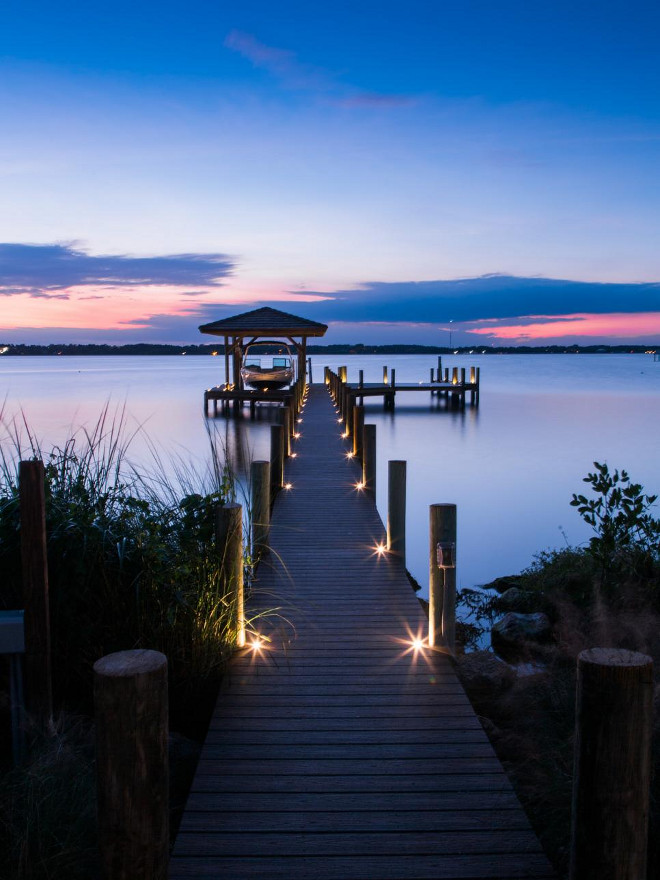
{"x":354,"y":802}
{"x":364,"y":737}
{"x":422,"y":867}
{"x":274,"y":845}
{"x":211,"y":779}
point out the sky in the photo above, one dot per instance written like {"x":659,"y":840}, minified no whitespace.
{"x":399,"y":171}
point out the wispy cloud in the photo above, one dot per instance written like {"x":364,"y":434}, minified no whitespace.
{"x":44,"y":271}
{"x":292,"y":73}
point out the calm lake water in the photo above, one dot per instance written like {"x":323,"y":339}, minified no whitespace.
{"x":511,"y":465}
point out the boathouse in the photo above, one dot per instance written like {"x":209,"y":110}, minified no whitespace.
{"x":240,"y":331}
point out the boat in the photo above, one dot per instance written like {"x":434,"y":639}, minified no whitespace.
{"x":267,"y":366}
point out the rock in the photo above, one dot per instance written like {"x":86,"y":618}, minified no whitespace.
{"x":517,"y":637}
{"x":482,"y":670}
{"x":515,"y":599}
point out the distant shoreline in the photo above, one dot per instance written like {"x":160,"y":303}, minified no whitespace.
{"x":358,"y":349}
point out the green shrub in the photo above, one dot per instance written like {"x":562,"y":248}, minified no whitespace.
{"x":131,"y":562}
{"x":626,"y":546}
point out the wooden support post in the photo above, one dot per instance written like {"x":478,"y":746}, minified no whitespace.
{"x":369,"y":458}
{"x":396,"y":508}
{"x":442,"y":581}
{"x":361,"y":379}
{"x":260,"y":479}
{"x":229,"y":543}
{"x":276,"y":459}
{"x":309,"y":370}
{"x":384,"y":375}
{"x":454,"y":376}
{"x":34,"y":559}
{"x":462,"y":375}
{"x":612,"y":765}
{"x":350,"y":407}
{"x":130,"y":699}
{"x":439,"y":373}
{"x":286,"y":415}
{"x":478,"y":382}
{"x":206,"y":403}
{"x":326,"y":377}
{"x":392,"y":377}
{"x":358,"y":430}
{"x":446,"y":374}
{"x":215,"y":406}
{"x":472,"y":375}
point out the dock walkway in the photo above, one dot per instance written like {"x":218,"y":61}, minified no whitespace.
{"x":339,"y":752}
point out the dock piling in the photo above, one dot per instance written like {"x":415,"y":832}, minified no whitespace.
{"x":131,"y":715}
{"x":442,"y":581}
{"x":276,"y":459}
{"x":611,"y":780}
{"x":34,"y":564}
{"x":229,"y":544}
{"x":358,"y":430}
{"x":260,"y":479}
{"x":396,"y":508}
{"x":369,"y":458}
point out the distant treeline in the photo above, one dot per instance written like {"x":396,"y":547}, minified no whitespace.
{"x":154,"y":349}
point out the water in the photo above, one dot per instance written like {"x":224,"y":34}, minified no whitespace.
{"x":510,"y":466}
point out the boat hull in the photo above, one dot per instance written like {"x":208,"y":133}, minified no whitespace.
{"x":267,"y":380}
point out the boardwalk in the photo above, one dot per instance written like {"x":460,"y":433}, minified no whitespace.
{"x":340,"y":752}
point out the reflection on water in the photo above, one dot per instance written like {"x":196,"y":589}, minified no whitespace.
{"x":511,"y":465}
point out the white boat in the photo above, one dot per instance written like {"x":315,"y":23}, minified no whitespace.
{"x":267,"y":366}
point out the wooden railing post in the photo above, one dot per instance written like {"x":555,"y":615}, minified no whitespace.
{"x":276,"y":459}
{"x":384,"y":375}
{"x":286,"y":415}
{"x":34,"y":559}
{"x":442,"y":581}
{"x":396,"y":508}
{"x":612,"y":769}
{"x":260,"y":479}
{"x":369,"y":458}
{"x":229,"y":544}
{"x":358,"y":430}
{"x":130,"y":698}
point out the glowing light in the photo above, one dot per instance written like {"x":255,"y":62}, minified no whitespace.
{"x":417,"y":644}
{"x":288,"y":486}
{"x":339,"y":421}
{"x":359,"y":486}
{"x":349,"y":455}
{"x":345,"y":435}
{"x":294,"y":455}
{"x":299,"y":420}
{"x":214,"y":354}
{"x":381,"y":549}
{"x":257,"y":643}
{"x":296,"y":436}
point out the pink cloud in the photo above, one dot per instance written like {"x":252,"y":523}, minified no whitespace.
{"x":615,"y":325}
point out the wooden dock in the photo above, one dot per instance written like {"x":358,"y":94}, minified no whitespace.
{"x":454,"y":387}
{"x":339,"y":751}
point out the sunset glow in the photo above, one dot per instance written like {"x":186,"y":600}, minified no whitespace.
{"x":436,"y":180}
{"x":614,"y":326}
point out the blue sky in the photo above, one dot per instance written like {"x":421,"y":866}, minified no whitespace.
{"x":163,"y":164}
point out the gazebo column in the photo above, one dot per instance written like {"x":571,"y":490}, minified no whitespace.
{"x":236,"y":354}
{"x":226,"y":361}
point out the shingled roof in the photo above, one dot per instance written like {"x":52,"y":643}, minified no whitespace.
{"x":264,"y":322}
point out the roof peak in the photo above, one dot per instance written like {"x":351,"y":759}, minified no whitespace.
{"x":264,"y":321}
